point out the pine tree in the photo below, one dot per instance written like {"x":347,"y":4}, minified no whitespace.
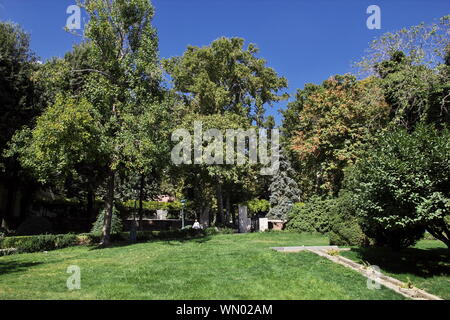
{"x":284,"y":191}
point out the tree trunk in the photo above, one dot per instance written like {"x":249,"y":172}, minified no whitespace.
{"x":204,"y":215}
{"x":109,"y":210}
{"x":442,"y":234}
{"x":10,"y":203}
{"x":220,"y":218}
{"x":90,"y":198}
{"x":228,"y":207}
{"x":141,"y":196}
{"x":233,"y":218}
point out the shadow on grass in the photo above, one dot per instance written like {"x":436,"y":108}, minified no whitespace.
{"x":173,"y":241}
{"x":14,"y":266}
{"x":422,"y":263}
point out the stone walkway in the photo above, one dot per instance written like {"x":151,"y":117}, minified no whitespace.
{"x":370,"y":273}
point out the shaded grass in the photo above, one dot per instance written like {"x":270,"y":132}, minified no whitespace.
{"x":427,"y":265}
{"x":219,"y":267}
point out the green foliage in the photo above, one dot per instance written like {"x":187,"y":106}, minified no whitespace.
{"x":38,"y":243}
{"x":311,"y":216}
{"x":328,"y":126}
{"x":414,"y":70}
{"x":401,"y":187}
{"x":348,"y":233}
{"x":225,"y":76}
{"x":155,"y":205}
{"x":257,"y":206}
{"x":116,"y":222}
{"x":34,"y":226}
{"x":66,"y":134}
{"x":215,"y":230}
{"x":284,"y":191}
{"x":345,"y":228}
{"x":19,"y":93}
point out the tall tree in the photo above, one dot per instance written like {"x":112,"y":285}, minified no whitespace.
{"x":284,"y":191}
{"x":20,"y":103}
{"x":226,"y":77}
{"x":118,"y":125}
{"x":328,"y":125}
{"x":412,"y":63}
{"x":125,"y":46}
{"x":219,"y":80}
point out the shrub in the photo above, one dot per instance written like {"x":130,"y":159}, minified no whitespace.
{"x":227,"y":230}
{"x":345,"y":228}
{"x":116,"y":222}
{"x":312,"y":216}
{"x":37,"y":243}
{"x":401,"y":186}
{"x":348,"y":233}
{"x":34,"y":226}
{"x":398,"y":238}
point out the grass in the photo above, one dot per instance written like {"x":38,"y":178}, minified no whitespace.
{"x":219,"y":267}
{"x":426,"y":266}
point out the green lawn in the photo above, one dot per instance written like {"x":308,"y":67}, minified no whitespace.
{"x":220,"y":267}
{"x":427,"y":265}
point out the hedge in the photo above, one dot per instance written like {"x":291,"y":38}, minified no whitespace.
{"x":44,"y":242}
{"x":312,"y":216}
{"x":48,"y":242}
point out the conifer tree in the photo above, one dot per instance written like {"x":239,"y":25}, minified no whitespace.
{"x":284,"y":191}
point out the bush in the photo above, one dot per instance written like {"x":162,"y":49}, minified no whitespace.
{"x":34,"y":226}
{"x":335,"y":216}
{"x":116,"y":222}
{"x":38,"y":243}
{"x":401,"y":186}
{"x":348,"y":233}
{"x":394,"y":238}
{"x":227,"y":230}
{"x":312,"y":216}
{"x":345,"y":228}
{"x":49,"y":242}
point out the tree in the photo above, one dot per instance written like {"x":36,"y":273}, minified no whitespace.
{"x":225,"y":77}
{"x":223,"y":84}
{"x":412,"y":63}
{"x":121,"y":102}
{"x":328,"y":125}
{"x":401,"y":185}
{"x":209,"y":183}
{"x":284,"y":191}
{"x":20,"y":103}
{"x":124,"y":83}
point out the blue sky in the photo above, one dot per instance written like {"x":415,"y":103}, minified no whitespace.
{"x":305,"y":41}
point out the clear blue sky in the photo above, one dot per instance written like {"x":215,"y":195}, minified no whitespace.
{"x":303,"y":40}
